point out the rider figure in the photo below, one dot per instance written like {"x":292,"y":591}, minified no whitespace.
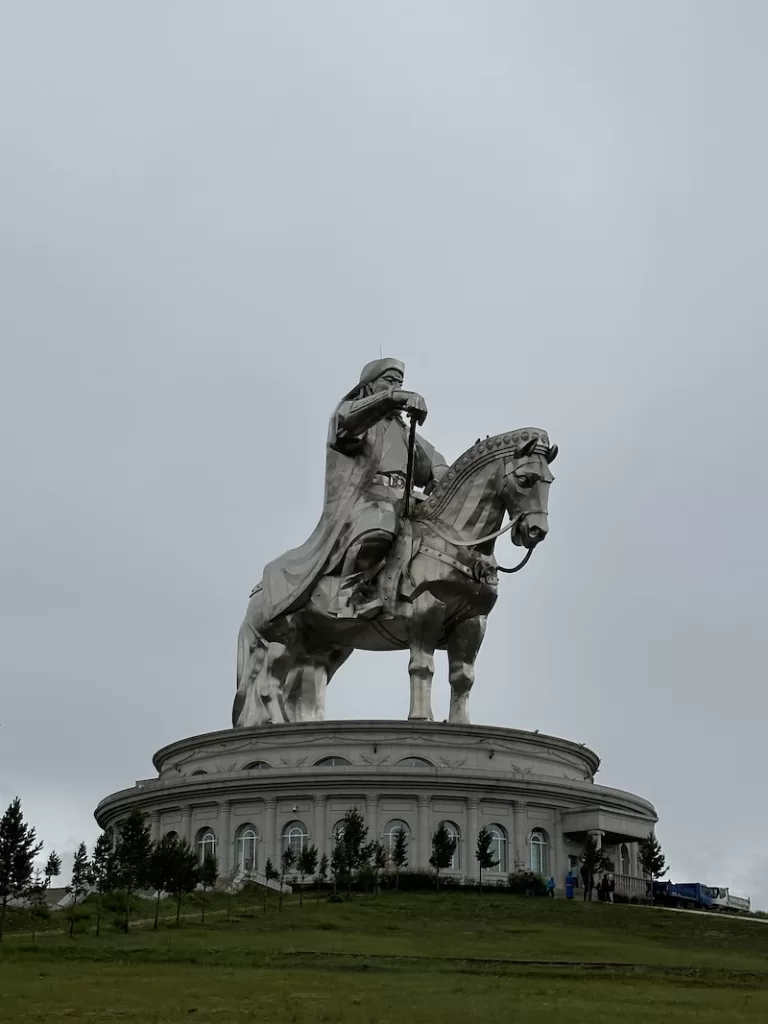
{"x":365,"y":470}
{"x":369,"y":417}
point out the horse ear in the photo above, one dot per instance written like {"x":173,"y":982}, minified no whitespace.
{"x":526,"y":449}
{"x":552,"y":453}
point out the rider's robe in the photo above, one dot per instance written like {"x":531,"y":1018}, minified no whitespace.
{"x":349,"y":472}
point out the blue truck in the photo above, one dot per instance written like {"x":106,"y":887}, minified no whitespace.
{"x":687,"y":895}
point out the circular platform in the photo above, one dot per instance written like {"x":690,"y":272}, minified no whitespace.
{"x":249,"y":792}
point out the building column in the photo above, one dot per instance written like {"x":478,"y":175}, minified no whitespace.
{"x":271,"y":839}
{"x":520,"y":860}
{"x":634,"y":869}
{"x":186,"y":824}
{"x":154,"y":824}
{"x":372,"y":817}
{"x":471,"y":867}
{"x":225,"y":840}
{"x":320,"y":839}
{"x":556,"y":868}
{"x":424,"y":846}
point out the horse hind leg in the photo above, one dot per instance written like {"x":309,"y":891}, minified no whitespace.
{"x":424,"y":628}
{"x":307,"y":682}
{"x":463,"y":644}
{"x":248,"y":709}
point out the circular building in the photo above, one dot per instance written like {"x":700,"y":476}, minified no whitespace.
{"x":246,"y":794}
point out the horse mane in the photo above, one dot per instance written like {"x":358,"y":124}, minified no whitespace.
{"x":475,"y":458}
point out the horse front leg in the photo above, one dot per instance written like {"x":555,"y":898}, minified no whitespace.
{"x":463,"y":643}
{"x":424,"y":630}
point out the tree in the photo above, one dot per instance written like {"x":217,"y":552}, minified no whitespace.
{"x":271,"y":874}
{"x":352,"y":835}
{"x":163,"y":867}
{"x":379,"y":861}
{"x":400,"y":853}
{"x":132,"y":853}
{"x":207,"y":874}
{"x":101,"y":872}
{"x":593,"y":861}
{"x":78,"y":887}
{"x":652,"y":860}
{"x":443,"y":849}
{"x":52,"y":868}
{"x":286,"y":863}
{"x":483,"y":854}
{"x":18,"y":849}
{"x":185,"y":874}
{"x":322,"y":872}
{"x":307,"y":865}
{"x":38,"y":907}
{"x":338,"y":863}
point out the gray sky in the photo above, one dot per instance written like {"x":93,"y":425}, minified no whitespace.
{"x":213,"y":214}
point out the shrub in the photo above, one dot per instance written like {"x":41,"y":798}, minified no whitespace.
{"x":526,"y":883}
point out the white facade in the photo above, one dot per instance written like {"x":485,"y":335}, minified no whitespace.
{"x":247,"y":793}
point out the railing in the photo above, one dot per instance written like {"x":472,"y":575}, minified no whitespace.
{"x":241,"y":877}
{"x":629,"y":885}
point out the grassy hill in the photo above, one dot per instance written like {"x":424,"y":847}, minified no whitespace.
{"x":397,"y":958}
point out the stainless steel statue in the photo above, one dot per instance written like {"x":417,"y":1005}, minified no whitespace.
{"x":389,"y":568}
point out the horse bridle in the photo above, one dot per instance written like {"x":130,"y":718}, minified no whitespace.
{"x":491,"y":536}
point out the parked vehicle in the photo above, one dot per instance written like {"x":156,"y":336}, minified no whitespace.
{"x":683,"y":895}
{"x":723,"y":899}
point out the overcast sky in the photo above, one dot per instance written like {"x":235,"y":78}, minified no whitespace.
{"x":212,"y":214}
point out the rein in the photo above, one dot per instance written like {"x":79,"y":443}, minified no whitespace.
{"x":482,"y":540}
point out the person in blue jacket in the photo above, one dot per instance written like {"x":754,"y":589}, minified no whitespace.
{"x":551,"y":887}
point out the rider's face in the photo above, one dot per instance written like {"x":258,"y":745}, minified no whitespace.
{"x":390,"y":379}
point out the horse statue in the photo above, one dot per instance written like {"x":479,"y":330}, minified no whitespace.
{"x":439,"y":584}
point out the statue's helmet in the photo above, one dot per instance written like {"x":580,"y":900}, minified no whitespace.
{"x":372,"y":371}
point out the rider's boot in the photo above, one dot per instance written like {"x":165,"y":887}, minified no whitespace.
{"x":358,"y":592}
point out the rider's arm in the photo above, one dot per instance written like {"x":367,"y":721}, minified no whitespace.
{"x":354,"y":419}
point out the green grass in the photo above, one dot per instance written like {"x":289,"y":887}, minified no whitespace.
{"x":397,"y":958}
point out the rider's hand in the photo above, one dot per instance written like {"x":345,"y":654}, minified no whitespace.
{"x":412,"y":404}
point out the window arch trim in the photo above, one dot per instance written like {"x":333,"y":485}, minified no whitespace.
{"x":499,"y":847}
{"x":455,"y":833}
{"x":538,"y":849}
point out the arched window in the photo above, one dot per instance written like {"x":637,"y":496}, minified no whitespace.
{"x":295,"y":837}
{"x":624,"y":862}
{"x":206,"y":844}
{"x":390,"y":832}
{"x":173,"y":834}
{"x":256,"y":766}
{"x":414,"y":762}
{"x":199,"y":771}
{"x":337,"y":832}
{"x":333,"y":761}
{"x":499,"y":848}
{"x":539,"y":847}
{"x":246,"y":849}
{"x":455,"y":833}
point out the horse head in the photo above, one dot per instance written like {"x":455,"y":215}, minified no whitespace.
{"x":525,"y":487}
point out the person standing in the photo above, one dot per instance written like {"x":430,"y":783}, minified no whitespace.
{"x":588,"y":881}
{"x":570,"y":885}
{"x":551,"y":887}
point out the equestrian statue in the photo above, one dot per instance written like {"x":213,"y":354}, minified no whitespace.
{"x":401,"y":559}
